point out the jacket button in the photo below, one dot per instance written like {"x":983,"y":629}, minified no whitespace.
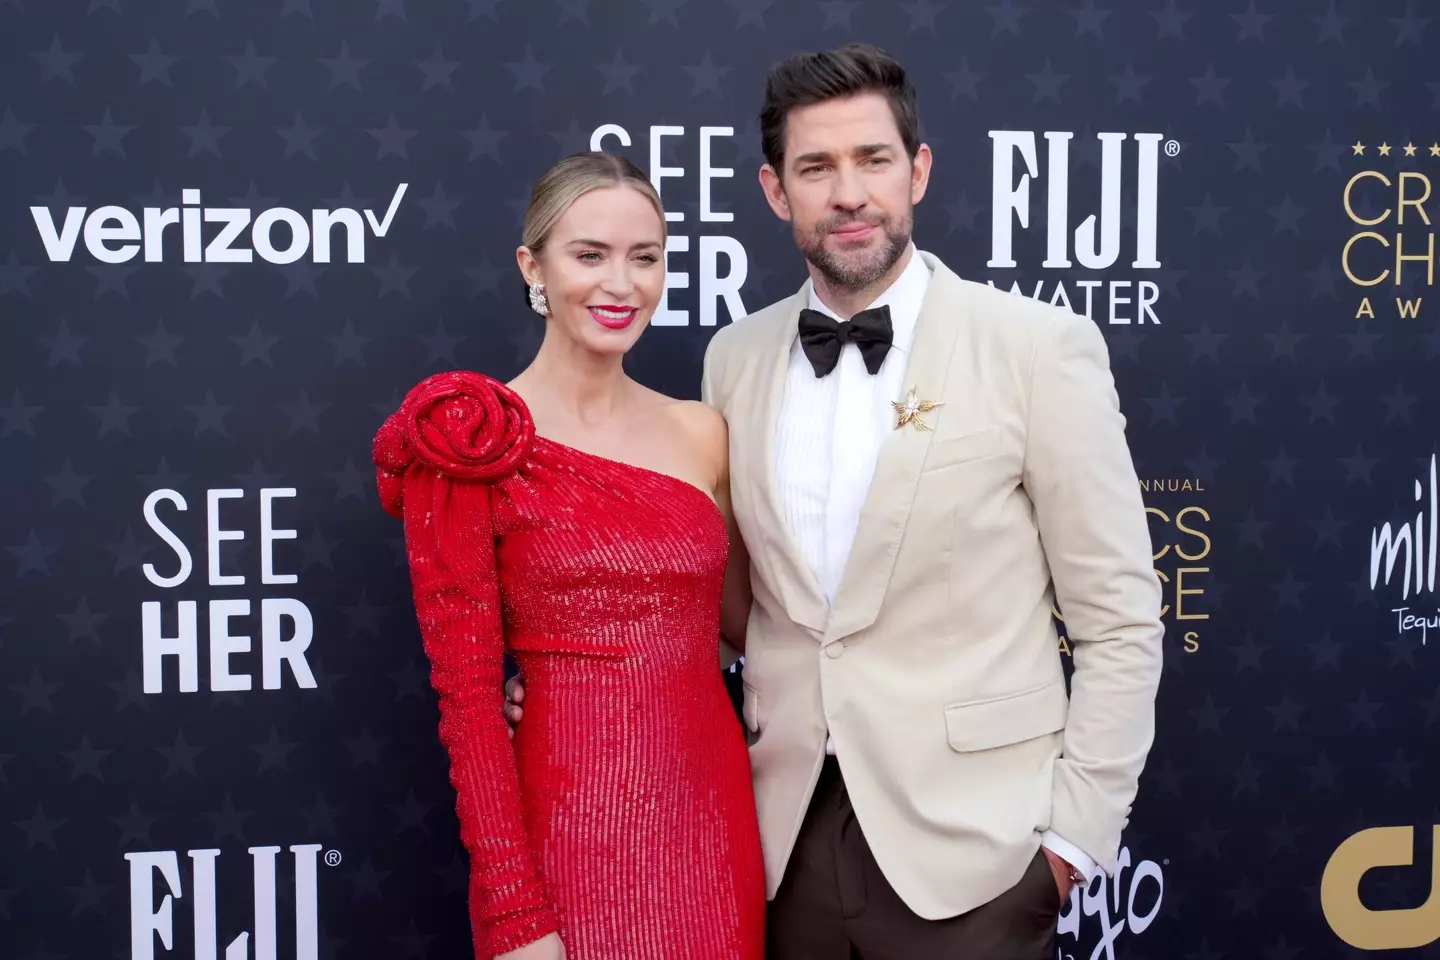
{"x":835,"y":650}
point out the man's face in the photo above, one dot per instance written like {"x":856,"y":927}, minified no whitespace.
{"x":848,"y":189}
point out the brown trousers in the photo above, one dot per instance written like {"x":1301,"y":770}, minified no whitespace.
{"x":834,"y":904}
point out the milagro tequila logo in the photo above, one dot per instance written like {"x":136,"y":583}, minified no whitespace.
{"x":1127,"y":902}
{"x":1415,"y":541}
{"x":280,"y":235}
{"x":1096,"y":242}
{"x":158,"y":872}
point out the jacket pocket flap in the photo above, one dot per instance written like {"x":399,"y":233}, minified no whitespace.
{"x":1001,"y":721}
{"x":970,"y":446}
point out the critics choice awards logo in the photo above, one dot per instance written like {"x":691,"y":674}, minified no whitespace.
{"x":194,"y":233}
{"x":1392,"y":241}
{"x":1125,"y":227}
{"x":170,"y":629}
{"x":1179,"y":511}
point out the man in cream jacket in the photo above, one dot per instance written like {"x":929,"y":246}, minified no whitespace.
{"x":921,"y":466}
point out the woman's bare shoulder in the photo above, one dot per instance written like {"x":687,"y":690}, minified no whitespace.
{"x":700,"y":426}
{"x":702,"y":421}
{"x":690,"y":415}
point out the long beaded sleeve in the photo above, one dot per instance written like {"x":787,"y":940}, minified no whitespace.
{"x":437,"y":460}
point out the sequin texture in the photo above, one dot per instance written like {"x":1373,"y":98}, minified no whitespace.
{"x":622,"y":815}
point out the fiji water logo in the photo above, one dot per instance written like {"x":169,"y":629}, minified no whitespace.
{"x":200,"y":234}
{"x":1100,"y":241}
{"x":158,"y":888}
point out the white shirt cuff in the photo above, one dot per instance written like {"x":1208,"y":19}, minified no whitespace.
{"x":1068,"y":852}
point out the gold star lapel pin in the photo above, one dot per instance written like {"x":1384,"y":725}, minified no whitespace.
{"x":910,"y":410}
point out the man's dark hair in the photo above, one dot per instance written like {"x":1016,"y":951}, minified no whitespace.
{"x":810,"y":78}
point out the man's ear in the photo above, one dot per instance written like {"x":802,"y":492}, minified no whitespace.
{"x":920,"y":173}
{"x":774,"y":192}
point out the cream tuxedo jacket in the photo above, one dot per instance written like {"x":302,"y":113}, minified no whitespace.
{"x":938,"y":671}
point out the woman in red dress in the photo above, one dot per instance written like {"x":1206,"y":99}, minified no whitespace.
{"x":581,"y":521}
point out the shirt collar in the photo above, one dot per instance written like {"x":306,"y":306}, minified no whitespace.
{"x":904,"y":298}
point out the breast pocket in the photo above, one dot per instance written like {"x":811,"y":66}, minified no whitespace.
{"x":962,"y":449}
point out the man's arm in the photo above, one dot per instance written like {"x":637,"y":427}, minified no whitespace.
{"x":708,"y":373}
{"x":1079,"y":475}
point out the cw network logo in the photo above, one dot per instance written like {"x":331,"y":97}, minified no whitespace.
{"x":114,"y":234}
{"x":149,"y":920}
{"x":1380,"y":848}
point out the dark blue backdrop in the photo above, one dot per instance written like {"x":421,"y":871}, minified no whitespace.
{"x":232,"y":233}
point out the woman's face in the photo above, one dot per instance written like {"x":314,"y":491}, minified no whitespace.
{"x":603,"y":268}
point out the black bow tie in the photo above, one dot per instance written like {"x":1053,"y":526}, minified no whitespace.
{"x":822,"y":337}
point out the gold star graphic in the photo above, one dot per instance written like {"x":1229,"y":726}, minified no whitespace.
{"x":1384,"y":149}
{"x":1435,"y":149}
{"x":910,"y":410}
{"x":1409,"y":149}
{"x":1359,"y":149}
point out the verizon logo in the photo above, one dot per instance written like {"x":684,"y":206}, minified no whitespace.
{"x":194,"y":233}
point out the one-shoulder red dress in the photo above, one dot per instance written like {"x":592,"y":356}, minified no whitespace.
{"x":622,"y":815}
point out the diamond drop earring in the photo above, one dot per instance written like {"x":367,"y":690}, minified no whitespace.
{"x":537,"y":299}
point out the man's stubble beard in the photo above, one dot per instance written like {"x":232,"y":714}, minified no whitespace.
{"x":844,"y":274}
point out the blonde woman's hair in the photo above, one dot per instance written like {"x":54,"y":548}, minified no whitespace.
{"x":571,"y":179}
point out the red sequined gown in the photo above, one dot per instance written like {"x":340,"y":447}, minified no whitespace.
{"x":623,"y":815}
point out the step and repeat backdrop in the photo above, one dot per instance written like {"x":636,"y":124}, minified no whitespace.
{"x":234,"y":232}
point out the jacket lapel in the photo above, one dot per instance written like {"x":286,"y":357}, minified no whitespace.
{"x":772,"y":546}
{"x":897,"y":469}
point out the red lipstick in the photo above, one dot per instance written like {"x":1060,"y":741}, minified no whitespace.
{"x":614,"y":317}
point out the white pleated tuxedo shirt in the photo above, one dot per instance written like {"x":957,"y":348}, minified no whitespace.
{"x":828,"y":439}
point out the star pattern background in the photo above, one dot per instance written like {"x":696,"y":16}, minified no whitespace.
{"x":1301,"y":717}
